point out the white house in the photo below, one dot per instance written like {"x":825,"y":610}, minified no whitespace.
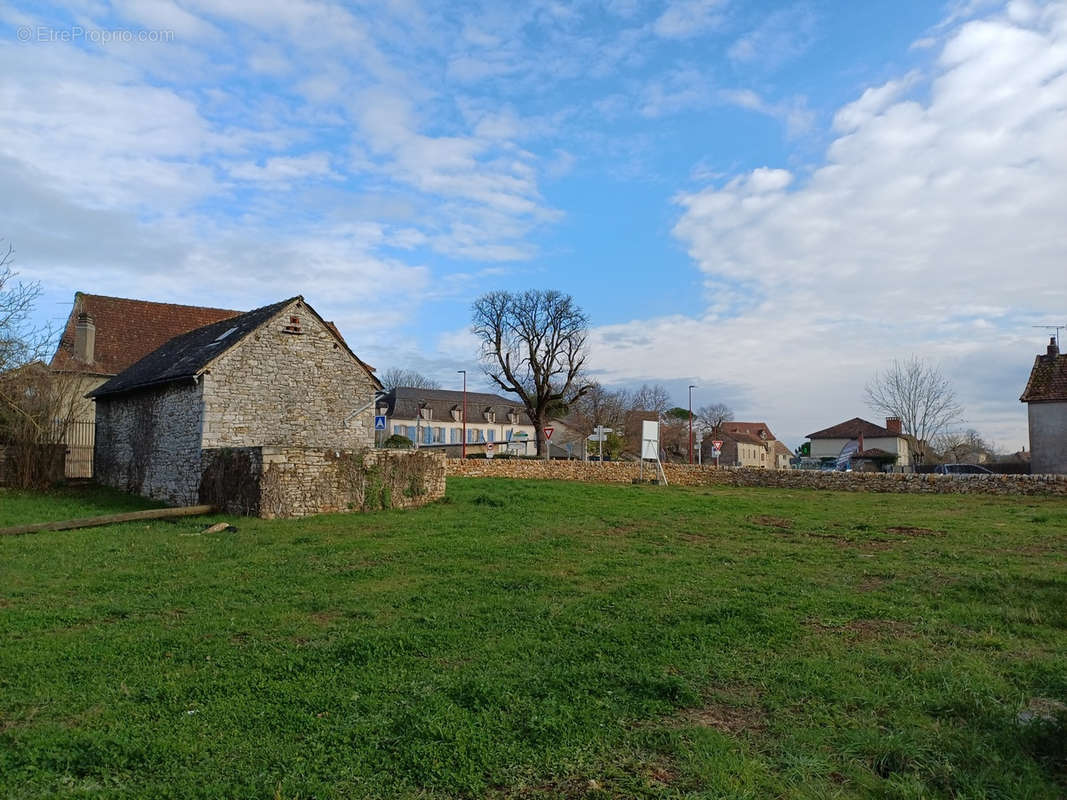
{"x":1046,"y":402}
{"x":873,"y":442}
{"x":434,"y":418}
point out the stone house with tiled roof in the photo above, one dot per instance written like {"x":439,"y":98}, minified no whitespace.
{"x":775,"y":456}
{"x":278,"y":376}
{"x":1045,"y":396}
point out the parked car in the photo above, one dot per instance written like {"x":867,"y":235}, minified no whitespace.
{"x":962,"y":469}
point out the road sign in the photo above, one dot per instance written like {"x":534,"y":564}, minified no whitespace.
{"x":488,"y":449}
{"x":716,"y":444}
{"x":549,"y":432}
{"x":379,"y":423}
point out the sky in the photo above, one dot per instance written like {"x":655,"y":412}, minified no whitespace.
{"x":769,"y":200}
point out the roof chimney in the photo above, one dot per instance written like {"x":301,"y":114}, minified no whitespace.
{"x":1053,"y":348}
{"x":85,"y":338}
{"x":893,"y":425}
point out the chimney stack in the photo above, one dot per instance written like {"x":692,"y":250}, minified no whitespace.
{"x":893,"y":425}
{"x":1053,"y":348}
{"x":85,"y":338}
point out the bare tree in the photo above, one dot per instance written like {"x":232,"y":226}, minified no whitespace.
{"x":957,"y":446}
{"x":917,"y":392}
{"x":651,"y":397}
{"x":533,"y":345}
{"x":713,"y":416}
{"x":397,"y":376}
{"x":600,"y":406}
{"x":21,"y":342}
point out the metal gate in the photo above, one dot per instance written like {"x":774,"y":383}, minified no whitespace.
{"x":80,"y":438}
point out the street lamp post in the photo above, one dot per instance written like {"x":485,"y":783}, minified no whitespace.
{"x":464,"y":411}
{"x":691,"y":387}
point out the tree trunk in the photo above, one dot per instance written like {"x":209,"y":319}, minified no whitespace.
{"x":539,"y":434}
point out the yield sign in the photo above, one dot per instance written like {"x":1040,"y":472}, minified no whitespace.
{"x":549,"y":432}
{"x":717,"y":445}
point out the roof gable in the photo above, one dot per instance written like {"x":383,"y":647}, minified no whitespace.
{"x":404,"y":402}
{"x":852,"y":429}
{"x":1048,"y":380}
{"x":127,"y":330}
{"x":185,"y":356}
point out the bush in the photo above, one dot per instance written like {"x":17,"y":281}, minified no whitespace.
{"x":398,"y":442}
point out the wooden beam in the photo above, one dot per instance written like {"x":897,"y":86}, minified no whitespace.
{"x":89,"y":522}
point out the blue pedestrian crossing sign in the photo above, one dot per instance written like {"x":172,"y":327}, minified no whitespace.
{"x":379,"y":423}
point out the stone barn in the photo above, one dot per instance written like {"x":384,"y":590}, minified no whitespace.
{"x":276,"y":377}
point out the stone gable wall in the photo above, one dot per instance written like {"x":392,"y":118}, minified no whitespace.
{"x":289,"y":390}
{"x":280,"y":482}
{"x":148,"y":442}
{"x":685,"y":475}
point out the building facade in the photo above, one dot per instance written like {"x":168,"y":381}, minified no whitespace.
{"x":887,"y":444}
{"x":277,"y":376}
{"x":1046,"y":408}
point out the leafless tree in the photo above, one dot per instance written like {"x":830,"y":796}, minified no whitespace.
{"x":651,"y":397}
{"x":957,"y":446}
{"x":534,"y":345}
{"x":916,"y":391}
{"x":713,"y":416}
{"x":397,"y":376}
{"x":21,"y":342}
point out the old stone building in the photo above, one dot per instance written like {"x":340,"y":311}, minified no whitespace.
{"x":1046,"y":403}
{"x":278,"y":376}
{"x":102,"y":337}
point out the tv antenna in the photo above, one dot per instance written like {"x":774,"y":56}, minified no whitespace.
{"x":1054,"y":329}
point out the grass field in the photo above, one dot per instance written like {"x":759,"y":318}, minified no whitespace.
{"x":537,"y":640}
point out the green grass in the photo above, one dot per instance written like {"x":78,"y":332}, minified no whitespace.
{"x":536,"y":640}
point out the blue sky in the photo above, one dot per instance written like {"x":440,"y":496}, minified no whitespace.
{"x":771,"y":200}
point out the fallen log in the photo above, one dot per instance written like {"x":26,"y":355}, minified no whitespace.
{"x":108,"y":519}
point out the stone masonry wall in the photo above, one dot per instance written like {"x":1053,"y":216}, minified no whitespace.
{"x":685,"y":475}
{"x":288,"y":389}
{"x":149,"y":443}
{"x":278,"y":482}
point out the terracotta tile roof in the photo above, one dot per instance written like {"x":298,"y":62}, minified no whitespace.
{"x":852,"y":430}
{"x":780,"y":449}
{"x":128,"y":330}
{"x":873,"y":452}
{"x":743,"y":438}
{"x":751,"y":428}
{"x":1048,"y":378}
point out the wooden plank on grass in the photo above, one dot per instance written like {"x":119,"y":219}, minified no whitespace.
{"x":108,"y":519}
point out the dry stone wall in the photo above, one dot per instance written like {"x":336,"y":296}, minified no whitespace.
{"x":279,"y":482}
{"x":685,"y":475}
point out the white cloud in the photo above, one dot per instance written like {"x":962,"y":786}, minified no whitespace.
{"x":933,"y":227}
{"x":781,"y":36}
{"x":683,"y":19}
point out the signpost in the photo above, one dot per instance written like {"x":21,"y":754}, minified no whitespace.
{"x":600,"y":434}
{"x":549,"y":432}
{"x":379,"y":422}
{"x":488,"y":449}
{"x":716,"y":450}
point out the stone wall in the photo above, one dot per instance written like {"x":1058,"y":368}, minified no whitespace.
{"x":149,"y":442}
{"x":277,"y":482}
{"x":685,"y":475}
{"x":288,"y":389}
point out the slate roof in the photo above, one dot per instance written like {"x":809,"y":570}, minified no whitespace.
{"x":404,"y":402}
{"x":183,"y":357}
{"x":1048,"y":378}
{"x":128,"y":330}
{"x":852,"y":430}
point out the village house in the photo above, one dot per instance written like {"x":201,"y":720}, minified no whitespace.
{"x":104,"y":336}
{"x":278,"y":375}
{"x":745,"y":440}
{"x":1046,"y":406}
{"x":869,"y":446}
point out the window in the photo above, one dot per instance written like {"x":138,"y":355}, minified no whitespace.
{"x":492,"y":435}
{"x":399,"y":430}
{"x":438,"y":435}
{"x":455,"y":436}
{"x":455,"y":413}
{"x":425,"y":412}
{"x":509,"y":433}
{"x":427,"y":436}
{"x":490,"y":415}
{"x":513,"y":416}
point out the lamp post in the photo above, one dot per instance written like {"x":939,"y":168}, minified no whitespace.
{"x":464,"y":410}
{"x":691,"y":387}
